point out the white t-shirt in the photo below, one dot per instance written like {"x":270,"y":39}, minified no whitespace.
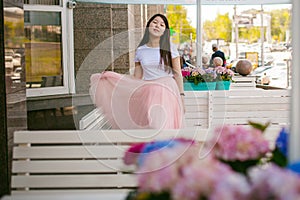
{"x":150,"y":61}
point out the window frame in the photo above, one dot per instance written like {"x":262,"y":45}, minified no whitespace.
{"x":68,"y":86}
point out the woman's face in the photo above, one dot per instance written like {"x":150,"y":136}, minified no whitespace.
{"x":157,"y":27}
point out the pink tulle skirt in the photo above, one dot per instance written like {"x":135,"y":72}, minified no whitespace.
{"x":130,"y":103}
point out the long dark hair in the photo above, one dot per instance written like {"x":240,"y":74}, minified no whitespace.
{"x":164,"y":42}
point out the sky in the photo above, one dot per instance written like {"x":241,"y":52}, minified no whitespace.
{"x":211,"y":11}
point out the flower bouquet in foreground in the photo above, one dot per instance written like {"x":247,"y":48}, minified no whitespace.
{"x":236,"y":163}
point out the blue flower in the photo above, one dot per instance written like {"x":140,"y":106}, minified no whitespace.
{"x":295,"y":167}
{"x":153,"y":146}
{"x":282,"y":142}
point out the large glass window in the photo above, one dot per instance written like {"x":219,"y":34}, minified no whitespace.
{"x":49,"y":65}
{"x":43,"y":49}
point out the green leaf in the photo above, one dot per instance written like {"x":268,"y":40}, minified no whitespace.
{"x":241,"y":166}
{"x":259,"y":126}
{"x":278,"y":158}
{"x":172,"y":31}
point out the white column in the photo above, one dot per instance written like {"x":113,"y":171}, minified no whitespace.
{"x":294,"y":142}
{"x":262,"y":35}
{"x":236,"y":33}
{"x":199,"y":35}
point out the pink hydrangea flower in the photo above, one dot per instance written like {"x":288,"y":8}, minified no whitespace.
{"x":199,"y":178}
{"x":273,"y":182}
{"x":233,"y":143}
{"x":180,"y":171}
{"x":174,"y":166}
{"x":232,"y":186}
{"x":161,"y":169}
{"x":158,"y":173}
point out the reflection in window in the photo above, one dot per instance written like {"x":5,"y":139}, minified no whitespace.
{"x":43,"y":49}
{"x":183,"y":32}
{"x":42,"y":2}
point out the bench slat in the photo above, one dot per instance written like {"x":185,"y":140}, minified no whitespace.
{"x":196,"y":108}
{"x":196,"y":123}
{"x":254,"y":107}
{"x":237,"y":121}
{"x":60,"y":152}
{"x":249,"y":93}
{"x":122,"y":192}
{"x":197,"y":94}
{"x":100,"y":120}
{"x":88,"y":122}
{"x":201,"y":115}
{"x":250,"y":100}
{"x":251,"y":114}
{"x":195,"y":101}
{"x":103,"y":136}
{"x":69,"y":166}
{"x":74,"y":181}
{"x":89,"y":118}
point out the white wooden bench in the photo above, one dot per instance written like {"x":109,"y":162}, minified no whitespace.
{"x":94,"y":120}
{"x":240,"y":106}
{"x":243,"y":82}
{"x":70,"y":162}
{"x":207,"y":109}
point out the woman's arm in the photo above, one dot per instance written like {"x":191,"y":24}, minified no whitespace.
{"x":138,"y":71}
{"x":177,"y":73}
{"x":178,"y":77}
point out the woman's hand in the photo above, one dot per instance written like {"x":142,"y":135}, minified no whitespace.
{"x":183,"y":104}
{"x":178,"y":78}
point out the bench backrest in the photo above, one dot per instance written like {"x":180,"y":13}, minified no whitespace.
{"x":243,"y":82}
{"x":238,"y":107}
{"x":207,"y":109}
{"x":84,"y":161}
{"x":56,"y":161}
{"x":94,"y":120}
{"x":197,"y":109}
{"x":212,"y":108}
